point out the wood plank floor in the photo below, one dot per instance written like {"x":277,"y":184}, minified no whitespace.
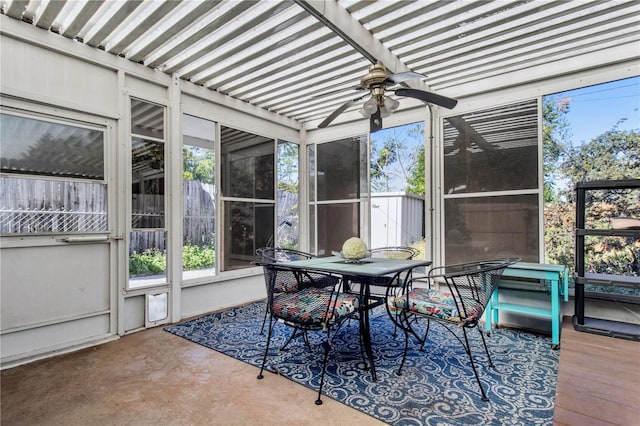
{"x":598,"y":380}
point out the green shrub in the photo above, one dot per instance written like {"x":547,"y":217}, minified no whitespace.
{"x":152,"y":262}
{"x":149,"y":262}
{"x":197,"y":257}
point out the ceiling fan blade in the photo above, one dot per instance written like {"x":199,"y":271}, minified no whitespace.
{"x":403,"y":76}
{"x":428,"y":97}
{"x":339,"y":111}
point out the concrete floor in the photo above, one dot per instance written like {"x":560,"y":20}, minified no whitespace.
{"x":155,"y":378}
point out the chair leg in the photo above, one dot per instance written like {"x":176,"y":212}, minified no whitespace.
{"x":424,"y":339}
{"x":264,"y":319}
{"x":266,"y":351}
{"x":406,"y":349}
{"x":467,"y":348}
{"x":327,"y":347}
{"x":486,"y":349}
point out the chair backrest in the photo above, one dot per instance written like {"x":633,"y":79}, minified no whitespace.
{"x":276,"y":254}
{"x":471,"y":284}
{"x":288,"y":281}
{"x":398,"y":252}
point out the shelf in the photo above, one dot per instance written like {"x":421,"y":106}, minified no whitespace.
{"x":621,"y":330}
{"x":609,"y":279}
{"x":609,"y":184}
{"x":609,"y":232}
{"x":618,"y":284}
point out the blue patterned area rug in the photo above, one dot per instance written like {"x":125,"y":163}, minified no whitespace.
{"x":437,"y":386}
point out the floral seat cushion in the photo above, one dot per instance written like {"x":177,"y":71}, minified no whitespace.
{"x":428,"y":301}
{"x":309,"y":306}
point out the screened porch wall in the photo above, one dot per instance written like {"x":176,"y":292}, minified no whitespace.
{"x":62,"y":302}
{"x":43,"y":73}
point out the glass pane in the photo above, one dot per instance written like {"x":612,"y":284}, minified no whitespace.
{"x":247,"y":165}
{"x":288,"y":185}
{"x":488,"y":227}
{"x":147,"y":258}
{"x":38,"y":147}
{"x":312,"y":228}
{"x":250,"y":226}
{"x":492,"y":150}
{"x":30,"y":206}
{"x":397,"y":159}
{"x":339,"y":168}
{"x":147,"y":184}
{"x":336,"y":223}
{"x":311,"y":166}
{"x":199,"y":220}
{"x":147,"y":119}
{"x":197,"y":131}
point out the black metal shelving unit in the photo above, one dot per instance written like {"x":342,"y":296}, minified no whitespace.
{"x":591,"y":324}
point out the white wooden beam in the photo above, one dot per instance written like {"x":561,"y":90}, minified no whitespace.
{"x":338,"y":20}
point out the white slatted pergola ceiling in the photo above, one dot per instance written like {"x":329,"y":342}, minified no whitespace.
{"x":301,"y":59}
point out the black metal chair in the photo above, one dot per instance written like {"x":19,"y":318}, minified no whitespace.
{"x":277,"y":254}
{"x":304,"y":301}
{"x":454,"y":296}
{"x":379,"y":290}
{"x":396,"y":252}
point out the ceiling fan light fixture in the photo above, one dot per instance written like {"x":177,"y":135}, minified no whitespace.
{"x":364,"y":113}
{"x":391,"y":104}
{"x":370,"y":106}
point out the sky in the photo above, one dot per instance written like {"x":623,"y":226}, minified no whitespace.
{"x":596,"y":109}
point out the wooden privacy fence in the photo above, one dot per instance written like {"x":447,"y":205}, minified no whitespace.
{"x":199,"y":207}
{"x":29,"y":206}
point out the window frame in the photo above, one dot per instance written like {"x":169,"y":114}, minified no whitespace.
{"x":78,"y":120}
{"x":537,"y":191}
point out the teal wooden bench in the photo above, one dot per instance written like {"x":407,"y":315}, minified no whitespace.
{"x":557,"y":279}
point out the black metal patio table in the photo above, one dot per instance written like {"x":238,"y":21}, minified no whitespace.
{"x":366,"y":272}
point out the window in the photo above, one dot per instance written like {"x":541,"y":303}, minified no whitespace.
{"x":287,"y":231}
{"x":198,"y":192}
{"x":147,"y":239}
{"x":338,"y":181}
{"x":591,"y":133}
{"x":248,"y":195}
{"x":491,"y":184}
{"x":54,"y":176}
{"x":398,"y":177}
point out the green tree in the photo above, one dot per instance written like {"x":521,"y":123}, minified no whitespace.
{"x":556,"y":136}
{"x":613,"y":155}
{"x":395,"y":154}
{"x":288,"y":167}
{"x":198,"y":164}
{"x":416,"y":182}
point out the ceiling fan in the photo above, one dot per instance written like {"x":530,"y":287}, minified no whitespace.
{"x":378,"y":82}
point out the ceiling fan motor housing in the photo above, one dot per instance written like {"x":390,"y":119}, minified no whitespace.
{"x":375,"y":77}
